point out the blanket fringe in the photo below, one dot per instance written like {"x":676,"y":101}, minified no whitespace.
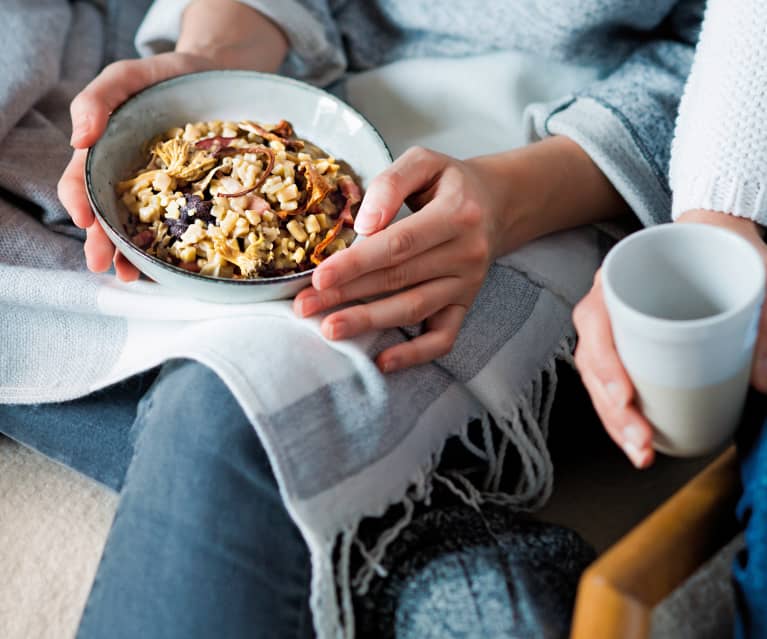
{"x":524,"y":427}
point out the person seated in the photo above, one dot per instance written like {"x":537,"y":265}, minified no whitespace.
{"x":205,"y":542}
{"x":718,"y":179}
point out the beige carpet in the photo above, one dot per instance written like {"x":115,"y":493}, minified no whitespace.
{"x":53,"y":525}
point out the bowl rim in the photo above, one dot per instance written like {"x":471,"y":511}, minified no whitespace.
{"x":195,"y":76}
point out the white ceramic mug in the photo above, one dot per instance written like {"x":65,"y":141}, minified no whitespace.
{"x":684,"y":303}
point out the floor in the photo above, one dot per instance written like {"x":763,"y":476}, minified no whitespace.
{"x":53,"y":525}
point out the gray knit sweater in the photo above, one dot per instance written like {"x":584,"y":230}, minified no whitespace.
{"x":642,"y":50}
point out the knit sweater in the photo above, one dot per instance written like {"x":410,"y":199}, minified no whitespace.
{"x":641,"y":53}
{"x":719,"y":157}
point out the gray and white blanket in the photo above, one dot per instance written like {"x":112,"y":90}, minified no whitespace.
{"x":345,"y":441}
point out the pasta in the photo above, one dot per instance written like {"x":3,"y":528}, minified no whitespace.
{"x":239,"y":200}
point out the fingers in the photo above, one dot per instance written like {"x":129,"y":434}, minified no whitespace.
{"x":606,"y":380}
{"x":626,"y":425}
{"x":413,"y":171}
{"x":124,"y":269}
{"x":441,"y":332}
{"x":71,"y":191}
{"x":115,"y":84}
{"x":403,"y":309}
{"x":99,"y":251}
{"x":433,"y":225}
{"x":448,"y":259}
{"x":596,"y":351}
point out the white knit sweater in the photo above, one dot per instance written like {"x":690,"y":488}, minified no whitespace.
{"x":719,"y":154}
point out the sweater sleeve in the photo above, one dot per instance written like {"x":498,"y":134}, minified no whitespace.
{"x":719,"y":154}
{"x":316,"y":54}
{"x":625,"y":121}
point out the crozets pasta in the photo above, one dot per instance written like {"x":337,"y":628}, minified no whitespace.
{"x":240,"y":200}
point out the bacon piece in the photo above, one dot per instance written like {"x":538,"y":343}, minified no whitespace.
{"x":190,"y":266}
{"x":284,"y":128}
{"x":144,"y":239}
{"x":257,"y":204}
{"x":264,"y":174}
{"x":351,"y":191}
{"x":215,"y":144}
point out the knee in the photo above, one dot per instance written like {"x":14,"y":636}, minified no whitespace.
{"x":190,"y":414}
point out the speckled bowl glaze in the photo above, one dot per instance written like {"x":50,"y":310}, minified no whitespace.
{"x":222,"y":95}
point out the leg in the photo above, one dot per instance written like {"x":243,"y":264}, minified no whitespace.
{"x":201,"y":545}
{"x":91,"y":435}
{"x":750,"y":568}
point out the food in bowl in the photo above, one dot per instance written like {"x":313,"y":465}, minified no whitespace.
{"x":240,"y":200}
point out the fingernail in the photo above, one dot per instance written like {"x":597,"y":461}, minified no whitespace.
{"x":367,"y":222}
{"x":80,"y":129}
{"x":326,"y":278}
{"x":308,"y":305}
{"x":390,"y":365}
{"x":339,"y":329}
{"x":640,"y":457}
{"x":616,"y":394}
{"x":633,"y":453}
{"x":634,"y":434}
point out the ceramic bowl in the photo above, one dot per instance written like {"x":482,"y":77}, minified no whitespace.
{"x":316,"y":116}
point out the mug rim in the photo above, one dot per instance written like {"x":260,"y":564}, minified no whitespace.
{"x":671,"y":327}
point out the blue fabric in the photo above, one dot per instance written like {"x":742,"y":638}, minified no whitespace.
{"x":201,"y":545}
{"x":750,"y":566}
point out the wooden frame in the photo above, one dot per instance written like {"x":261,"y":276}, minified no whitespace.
{"x":617,"y":593}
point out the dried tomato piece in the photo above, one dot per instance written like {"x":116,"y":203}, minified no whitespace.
{"x":332,"y":235}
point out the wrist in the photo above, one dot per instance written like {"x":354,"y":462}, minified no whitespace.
{"x":232,"y":35}
{"x":545,"y":187}
{"x":741,"y":225}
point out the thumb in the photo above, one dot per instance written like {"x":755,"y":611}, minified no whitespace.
{"x":115,"y":84}
{"x":414,"y":171}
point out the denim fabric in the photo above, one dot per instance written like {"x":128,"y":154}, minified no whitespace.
{"x":750,"y":566}
{"x":201,"y":545}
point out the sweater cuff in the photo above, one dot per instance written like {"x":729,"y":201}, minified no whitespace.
{"x":312,"y":56}
{"x":602,"y":134}
{"x":725,"y":193}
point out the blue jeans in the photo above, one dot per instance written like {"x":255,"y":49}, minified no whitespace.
{"x":201,"y":545}
{"x":750,"y":566}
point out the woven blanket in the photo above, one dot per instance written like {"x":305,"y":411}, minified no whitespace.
{"x":345,"y":441}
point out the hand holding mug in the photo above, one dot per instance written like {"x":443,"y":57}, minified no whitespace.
{"x":605,"y":376}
